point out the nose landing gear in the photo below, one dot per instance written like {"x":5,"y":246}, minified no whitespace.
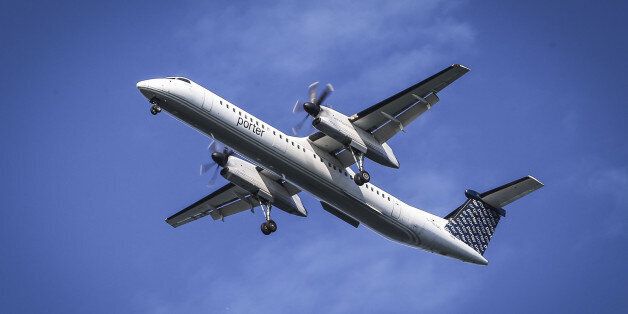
{"x":154,"y":109}
{"x":269,"y":226}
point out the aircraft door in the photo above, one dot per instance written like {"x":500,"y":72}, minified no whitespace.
{"x":197,"y":96}
{"x":279,"y":142}
{"x":208,"y":101}
{"x":396,"y":213}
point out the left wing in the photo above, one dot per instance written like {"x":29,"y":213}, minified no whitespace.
{"x":226,"y":201}
{"x":391,"y":115}
{"x":386,"y":118}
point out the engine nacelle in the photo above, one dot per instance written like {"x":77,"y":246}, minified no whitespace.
{"x":245,"y":175}
{"x":332,"y":129}
{"x":338,"y":127}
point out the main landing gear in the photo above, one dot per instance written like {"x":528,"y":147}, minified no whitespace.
{"x":269,"y":226}
{"x":154,"y":109}
{"x":362,"y":176}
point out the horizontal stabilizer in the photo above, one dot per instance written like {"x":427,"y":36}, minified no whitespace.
{"x":510,"y":192}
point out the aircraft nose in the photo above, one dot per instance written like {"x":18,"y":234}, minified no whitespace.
{"x":149,"y":88}
{"x":142,"y":84}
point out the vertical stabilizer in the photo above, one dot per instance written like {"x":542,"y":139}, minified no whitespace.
{"x":475,"y":221}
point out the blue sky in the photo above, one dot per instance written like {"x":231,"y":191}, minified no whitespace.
{"x":88,"y":175}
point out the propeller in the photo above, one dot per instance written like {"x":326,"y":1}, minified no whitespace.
{"x":312,"y":107}
{"x":219,"y":155}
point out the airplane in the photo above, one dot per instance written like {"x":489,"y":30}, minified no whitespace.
{"x":266,"y":167}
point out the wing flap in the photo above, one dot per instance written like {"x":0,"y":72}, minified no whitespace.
{"x":239,"y":205}
{"x":379,"y":114}
{"x":227,"y":194}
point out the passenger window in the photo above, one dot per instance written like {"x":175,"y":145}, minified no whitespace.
{"x":240,"y":113}
{"x":304,"y":150}
{"x":274,"y":133}
{"x":287,"y":141}
{"x":234,"y":110}
{"x":256,"y":122}
{"x":298,"y":147}
{"x":389,"y":198}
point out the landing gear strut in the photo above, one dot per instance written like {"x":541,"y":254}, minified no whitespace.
{"x":362,"y":176}
{"x":154,"y":109}
{"x":269,"y":226}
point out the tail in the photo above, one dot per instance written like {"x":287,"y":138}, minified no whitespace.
{"x":474,"y":222}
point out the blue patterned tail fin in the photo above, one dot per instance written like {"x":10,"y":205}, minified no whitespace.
{"x":474,"y":222}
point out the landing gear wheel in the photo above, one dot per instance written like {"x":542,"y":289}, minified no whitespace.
{"x":357,"y":179}
{"x":361,"y":177}
{"x":266,"y":228}
{"x":365,"y":177}
{"x":272,"y":225}
{"x":154,"y":109}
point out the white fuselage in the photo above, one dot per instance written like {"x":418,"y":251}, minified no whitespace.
{"x":306,"y":166}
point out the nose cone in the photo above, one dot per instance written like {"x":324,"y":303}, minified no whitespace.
{"x":142,"y":84}
{"x":149,"y":88}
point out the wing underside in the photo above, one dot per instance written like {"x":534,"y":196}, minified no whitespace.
{"x":226,"y":201}
{"x":388,"y":117}
{"x":402,"y":108}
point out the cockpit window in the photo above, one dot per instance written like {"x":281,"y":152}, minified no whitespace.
{"x":178,"y":78}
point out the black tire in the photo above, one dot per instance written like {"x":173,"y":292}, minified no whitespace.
{"x":265,"y":229}
{"x":153,"y":111}
{"x":272,"y":225}
{"x":358,"y":179}
{"x":365,"y":176}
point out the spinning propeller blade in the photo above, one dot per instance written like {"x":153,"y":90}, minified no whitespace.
{"x":213,"y":148}
{"x":312,"y":106}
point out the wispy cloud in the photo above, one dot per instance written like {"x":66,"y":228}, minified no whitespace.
{"x":612,"y":184}
{"x":378,"y":45}
{"x":323,"y":274}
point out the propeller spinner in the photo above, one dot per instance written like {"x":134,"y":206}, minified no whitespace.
{"x":219,"y":155}
{"x":313,"y":106}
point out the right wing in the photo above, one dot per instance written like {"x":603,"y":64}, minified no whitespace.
{"x":228,"y":200}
